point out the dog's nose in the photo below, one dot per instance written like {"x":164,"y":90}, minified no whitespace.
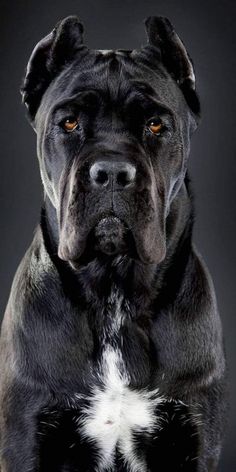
{"x":120,"y":174}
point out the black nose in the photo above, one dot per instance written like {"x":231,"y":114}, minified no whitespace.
{"x":120,"y":174}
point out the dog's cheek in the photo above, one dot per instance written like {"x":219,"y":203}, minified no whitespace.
{"x":151,"y":244}
{"x":73,"y":229}
{"x":71,"y":242}
{"x":67,"y":212}
{"x":149,"y":230}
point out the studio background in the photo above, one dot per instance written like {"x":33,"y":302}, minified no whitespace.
{"x":208,"y":30}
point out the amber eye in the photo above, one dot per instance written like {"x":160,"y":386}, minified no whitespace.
{"x":70,"y":123}
{"x":155,"y":126}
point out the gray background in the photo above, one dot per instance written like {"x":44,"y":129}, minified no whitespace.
{"x":208,"y":29}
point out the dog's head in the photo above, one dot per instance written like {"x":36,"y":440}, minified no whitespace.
{"x":113,"y":132}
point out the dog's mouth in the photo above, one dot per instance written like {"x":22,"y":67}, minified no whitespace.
{"x":109,"y":237}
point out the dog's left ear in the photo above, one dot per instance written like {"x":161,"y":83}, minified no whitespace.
{"x":175,"y":58}
{"x":48,"y":58}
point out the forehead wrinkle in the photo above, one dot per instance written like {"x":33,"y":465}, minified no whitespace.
{"x":115,"y":79}
{"x":113,"y":75}
{"x":113,"y":83}
{"x":89,"y":78}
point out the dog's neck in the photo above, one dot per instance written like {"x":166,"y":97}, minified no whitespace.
{"x":139,"y":282}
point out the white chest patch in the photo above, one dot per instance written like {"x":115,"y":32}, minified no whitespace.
{"x":115,"y":410}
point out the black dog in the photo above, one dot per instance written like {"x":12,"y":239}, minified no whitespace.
{"x":111,"y":345}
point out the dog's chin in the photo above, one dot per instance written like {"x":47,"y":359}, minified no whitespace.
{"x":110,"y":237}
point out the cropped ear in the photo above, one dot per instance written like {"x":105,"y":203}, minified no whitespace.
{"x":174,"y":56}
{"x":48,"y":58}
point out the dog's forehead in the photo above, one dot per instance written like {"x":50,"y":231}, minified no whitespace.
{"x":116,"y":73}
{"x":104,"y":69}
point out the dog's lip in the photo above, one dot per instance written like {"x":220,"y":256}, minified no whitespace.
{"x":109,"y":216}
{"x":109,"y":219}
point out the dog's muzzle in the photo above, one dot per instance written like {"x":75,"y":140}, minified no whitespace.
{"x":110,"y":232}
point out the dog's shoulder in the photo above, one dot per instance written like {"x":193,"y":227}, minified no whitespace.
{"x":34,"y":274}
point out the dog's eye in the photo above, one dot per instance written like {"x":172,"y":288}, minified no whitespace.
{"x":70,"y":123}
{"x":155,"y":126}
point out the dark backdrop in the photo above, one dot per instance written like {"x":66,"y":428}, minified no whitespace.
{"x":208,"y":29}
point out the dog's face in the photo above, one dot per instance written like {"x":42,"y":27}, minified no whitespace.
{"x":113,"y":133}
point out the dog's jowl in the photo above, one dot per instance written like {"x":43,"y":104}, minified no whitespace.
{"x":111,"y":345}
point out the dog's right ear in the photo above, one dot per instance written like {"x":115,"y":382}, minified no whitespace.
{"x":48,"y":58}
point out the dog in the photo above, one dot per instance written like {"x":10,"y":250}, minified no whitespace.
{"x":112,"y":356}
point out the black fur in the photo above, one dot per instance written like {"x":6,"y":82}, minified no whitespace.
{"x":58,"y":307}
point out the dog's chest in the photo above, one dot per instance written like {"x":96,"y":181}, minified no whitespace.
{"x":116,"y":411}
